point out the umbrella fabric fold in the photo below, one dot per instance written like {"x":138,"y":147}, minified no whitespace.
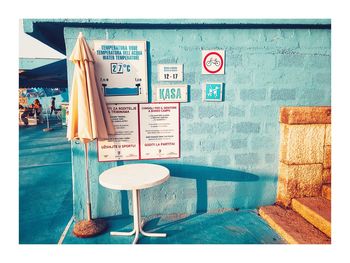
{"x":89,"y":117}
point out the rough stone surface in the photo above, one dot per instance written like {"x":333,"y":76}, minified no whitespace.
{"x":186,"y":112}
{"x":316,"y":210}
{"x":328,"y":138}
{"x":247,"y":127}
{"x":292,"y":227}
{"x":211,"y":111}
{"x":327,"y":176}
{"x":238,"y":143}
{"x":221,"y":160}
{"x":253,"y":94}
{"x":246,"y":159}
{"x":283,"y":94}
{"x":326,"y":191}
{"x":302,"y":144}
{"x":327,"y":157}
{"x":236,"y":112}
{"x":305,"y":115}
{"x":298,"y":181}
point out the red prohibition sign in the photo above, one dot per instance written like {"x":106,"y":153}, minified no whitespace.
{"x":221,"y":62}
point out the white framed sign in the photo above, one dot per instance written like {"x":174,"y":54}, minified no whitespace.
{"x":170,"y":72}
{"x":121,"y":70}
{"x":170,"y":93}
{"x":212,"y":91}
{"x":159,"y":130}
{"x":124,"y":145}
{"x":213,"y":62}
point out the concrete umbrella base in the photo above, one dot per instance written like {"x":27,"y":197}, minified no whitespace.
{"x":89,"y":228}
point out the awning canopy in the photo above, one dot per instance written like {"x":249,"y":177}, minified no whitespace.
{"x":52,"y":75}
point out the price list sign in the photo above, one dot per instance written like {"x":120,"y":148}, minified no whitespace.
{"x":160,"y":130}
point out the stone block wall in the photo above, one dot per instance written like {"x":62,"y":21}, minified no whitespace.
{"x":305,"y":152}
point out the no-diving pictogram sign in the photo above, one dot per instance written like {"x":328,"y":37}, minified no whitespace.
{"x":213,"y":61}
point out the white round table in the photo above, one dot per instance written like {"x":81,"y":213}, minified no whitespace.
{"x":135,"y":177}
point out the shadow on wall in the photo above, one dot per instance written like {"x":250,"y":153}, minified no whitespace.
{"x":228,"y":188}
{"x":190,"y":189}
{"x":204,"y":174}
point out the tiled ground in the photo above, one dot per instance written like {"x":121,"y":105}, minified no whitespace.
{"x":45,"y":205}
{"x":45,"y":184}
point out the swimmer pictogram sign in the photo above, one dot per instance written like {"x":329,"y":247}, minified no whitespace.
{"x":213,"y":61}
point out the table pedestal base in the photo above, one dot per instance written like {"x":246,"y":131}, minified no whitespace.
{"x":137,"y":221}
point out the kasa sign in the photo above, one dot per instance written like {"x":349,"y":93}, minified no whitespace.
{"x":170,"y":93}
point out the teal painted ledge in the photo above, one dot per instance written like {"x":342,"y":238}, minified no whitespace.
{"x":51,"y":31}
{"x":32,"y":63}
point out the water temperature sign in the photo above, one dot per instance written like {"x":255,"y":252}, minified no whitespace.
{"x":213,"y":62}
{"x":121,"y":70}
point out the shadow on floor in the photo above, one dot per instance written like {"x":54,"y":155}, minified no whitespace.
{"x":230,"y":227}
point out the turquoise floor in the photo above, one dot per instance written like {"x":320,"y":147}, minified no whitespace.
{"x":45,"y":184}
{"x":45,"y":205}
{"x":230,"y":227}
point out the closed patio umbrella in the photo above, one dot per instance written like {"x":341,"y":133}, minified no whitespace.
{"x":89,"y":119}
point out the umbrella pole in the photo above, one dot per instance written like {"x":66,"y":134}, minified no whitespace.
{"x":90,"y":227}
{"x":88,"y":202}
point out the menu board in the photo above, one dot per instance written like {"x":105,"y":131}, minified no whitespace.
{"x":124,"y":145}
{"x":159,"y":130}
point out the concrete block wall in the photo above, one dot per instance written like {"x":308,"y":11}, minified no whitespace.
{"x":305,"y":152}
{"x":229,"y":150}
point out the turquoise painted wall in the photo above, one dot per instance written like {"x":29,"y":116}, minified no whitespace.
{"x":265,"y":69}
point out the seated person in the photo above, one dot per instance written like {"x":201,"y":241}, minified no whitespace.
{"x":28,"y":112}
{"x":38,"y":109}
{"x":34,"y":109}
{"x":37,"y":106}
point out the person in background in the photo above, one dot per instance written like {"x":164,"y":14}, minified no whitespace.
{"x":26,"y":113}
{"x":53,"y":105}
{"x":38,"y":109}
{"x":34,"y":108}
